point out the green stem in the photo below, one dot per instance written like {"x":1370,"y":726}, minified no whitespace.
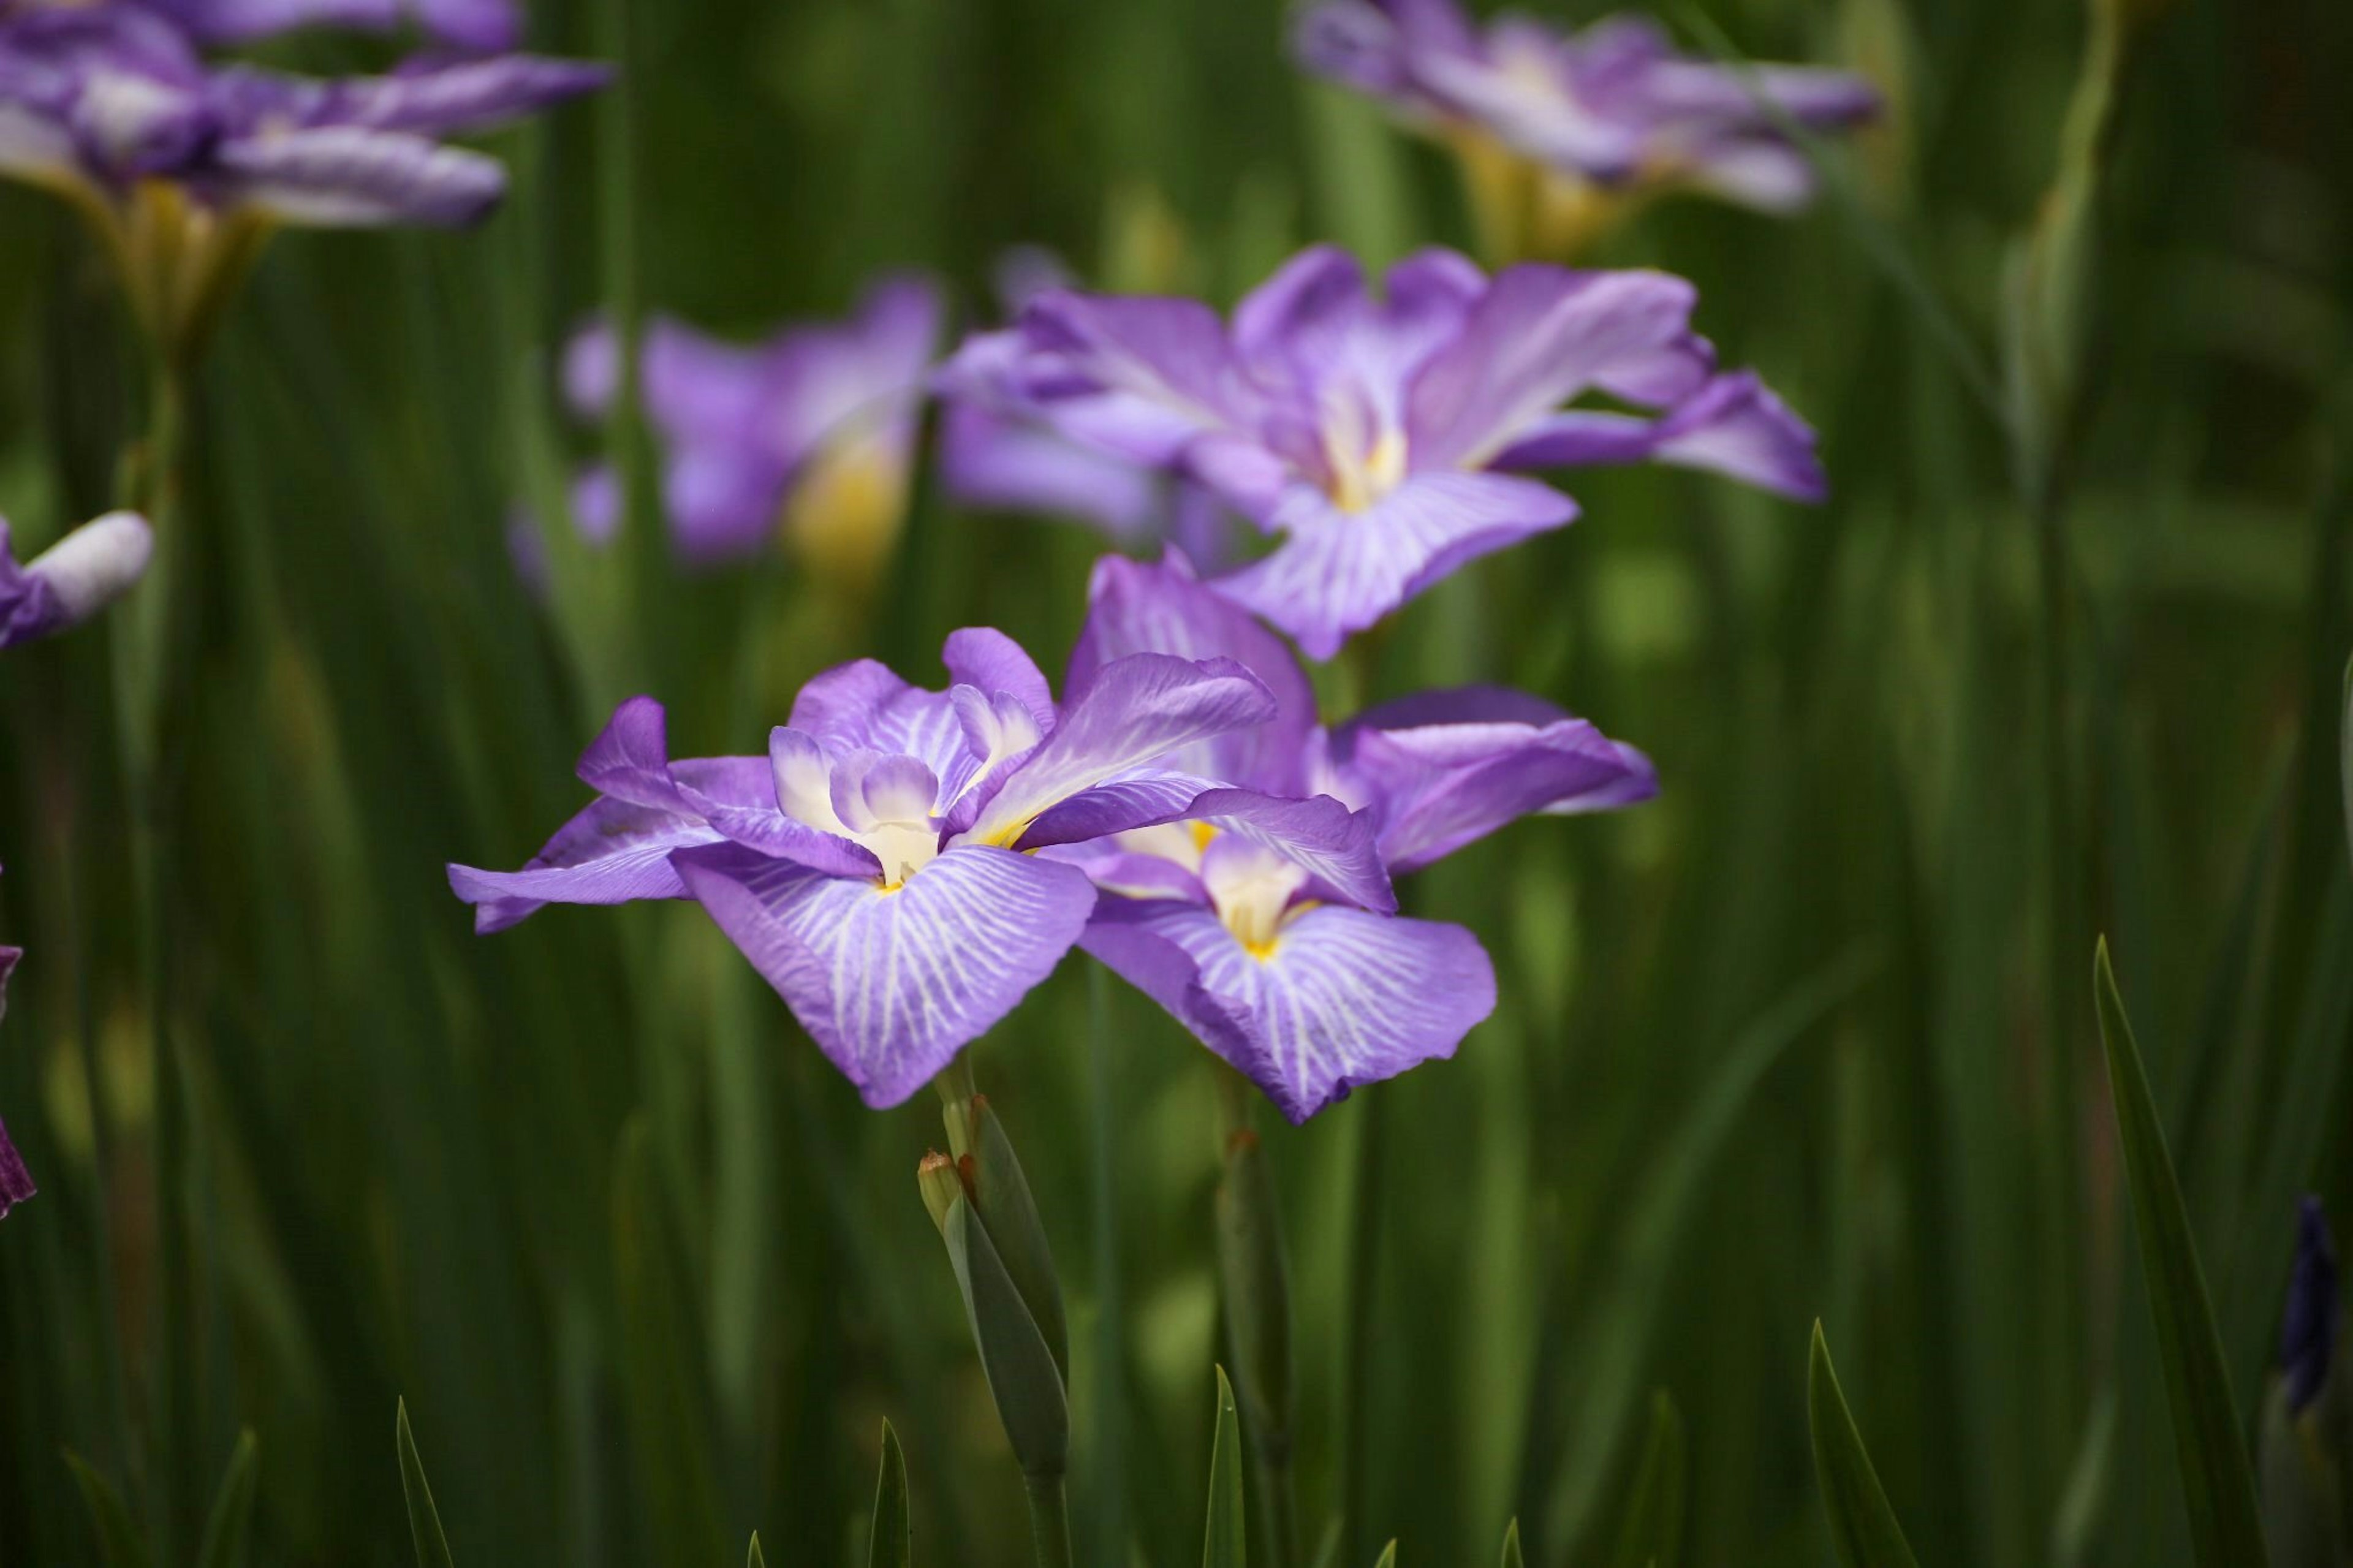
{"x":1357,"y":1352}
{"x":1254,"y":1269}
{"x":1050,"y":1520}
{"x":1110,"y":1391}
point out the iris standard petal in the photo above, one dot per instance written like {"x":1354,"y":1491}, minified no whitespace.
{"x":1537,"y":338}
{"x":341,"y":176}
{"x":1342,"y":998}
{"x":1338,"y":848}
{"x":1339,"y":572}
{"x":891,"y":985}
{"x":987,"y":660}
{"x":1136,"y":711}
{"x":1135,"y":606}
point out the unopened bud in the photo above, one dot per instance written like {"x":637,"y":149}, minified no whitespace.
{"x":74,"y":579}
{"x":941,"y":1183}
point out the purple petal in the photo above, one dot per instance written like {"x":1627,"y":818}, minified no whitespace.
{"x":1734,"y":426}
{"x":1537,"y":338}
{"x":16,"y":1182}
{"x":1136,"y":710}
{"x":1338,"y":848}
{"x":1342,"y":998}
{"x":1338,"y":573}
{"x":428,"y":98}
{"x":1138,"y":607}
{"x":2309,"y":1325}
{"x":74,"y":579}
{"x":1317,"y":291}
{"x":612,"y":853}
{"x":1443,"y":782}
{"x":985,"y":657}
{"x":346,"y":177}
{"x":1009,"y":465}
{"x":891,"y":985}
{"x":1165,"y":365}
{"x":1140,"y":800}
{"x":863,"y":706}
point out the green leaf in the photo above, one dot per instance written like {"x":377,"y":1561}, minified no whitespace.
{"x":893,"y":1541}
{"x":232,"y":1515}
{"x":119,"y":1541}
{"x":424,"y":1520}
{"x":753,"y":1559}
{"x":1225,"y":1545}
{"x":1654,"y":1530}
{"x":1388,"y":1556}
{"x":1022,"y":1374}
{"x":2345,"y":752}
{"x":2217,"y":1481}
{"x":1862,"y":1527}
{"x":1001,"y":1194}
{"x":1511,"y":1558}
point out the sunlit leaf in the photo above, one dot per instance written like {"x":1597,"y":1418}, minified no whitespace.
{"x":1511,"y":1558}
{"x":1224,"y":1545}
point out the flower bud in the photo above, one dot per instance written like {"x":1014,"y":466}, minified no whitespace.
{"x":1000,"y":1193}
{"x":74,"y":579}
{"x":937,"y":1178}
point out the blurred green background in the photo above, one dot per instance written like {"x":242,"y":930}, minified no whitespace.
{"x":1810,"y":1036}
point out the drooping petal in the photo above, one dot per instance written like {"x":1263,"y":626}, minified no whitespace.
{"x":435,"y":98}
{"x":1139,"y":800}
{"x":1338,"y":848}
{"x":1134,"y":711}
{"x":1445,"y":781}
{"x":1145,"y":607}
{"x":1343,"y":997}
{"x":1734,"y":426}
{"x":613,"y":852}
{"x":1337,"y":572}
{"x":1163,"y":369}
{"x":891,"y":985}
{"x":341,"y":176}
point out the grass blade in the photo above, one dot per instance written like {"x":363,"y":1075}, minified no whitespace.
{"x":893,"y":1538}
{"x":232,"y":1517}
{"x":119,"y":1543}
{"x":1225,"y":1545}
{"x":424,"y":1520}
{"x":1862,"y":1527}
{"x":753,"y":1559}
{"x":1511,"y":1558}
{"x":2217,"y":1483}
{"x":1653,"y":1531}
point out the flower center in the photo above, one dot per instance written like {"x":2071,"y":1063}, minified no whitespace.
{"x":1252,"y":888}
{"x":1361,"y":475}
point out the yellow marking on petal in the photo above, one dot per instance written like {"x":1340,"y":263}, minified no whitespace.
{"x":845,"y":515}
{"x":1202,"y":832}
{"x":1263,"y":951}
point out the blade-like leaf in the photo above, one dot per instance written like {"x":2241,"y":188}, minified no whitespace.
{"x":892,"y":1542}
{"x":424,"y":1519}
{"x":1654,"y":1530}
{"x":753,"y":1559}
{"x":1224,"y":1546}
{"x":1022,"y":1376}
{"x":1511,"y":1558}
{"x":232,"y":1515}
{"x":1388,"y":1556}
{"x":119,"y":1541}
{"x":1862,"y":1527}
{"x":2217,"y":1481}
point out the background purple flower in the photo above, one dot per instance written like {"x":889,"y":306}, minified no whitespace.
{"x":1373,"y":435}
{"x":872,"y":866}
{"x":96,"y":100}
{"x":1265,"y":924}
{"x":73,"y":579}
{"x":1615,"y":104}
{"x":484,"y":26}
{"x":2309,"y":1324}
{"x":812,"y":432}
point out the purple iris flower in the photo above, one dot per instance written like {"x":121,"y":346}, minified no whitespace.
{"x":996,"y":454}
{"x":483,"y":26}
{"x":16,"y":1182}
{"x":1281,"y":951}
{"x":1613,"y":104}
{"x":2309,"y":1327}
{"x":874,"y":866}
{"x":74,"y":579}
{"x":813,"y":431}
{"x":1377,"y":437}
{"x":105,"y":102}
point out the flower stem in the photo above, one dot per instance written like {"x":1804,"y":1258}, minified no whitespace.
{"x":1357,"y":1345}
{"x":1253,"y":1268}
{"x":1050,"y":1520}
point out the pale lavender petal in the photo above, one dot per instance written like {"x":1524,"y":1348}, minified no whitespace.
{"x":1139,"y":607}
{"x":892,"y":983}
{"x":1338,"y":848}
{"x":985,"y":657}
{"x":1445,"y":781}
{"x":1134,"y":711}
{"x":612,"y":853}
{"x":1343,"y":998}
{"x":1318,"y":292}
{"x":1338,"y":573}
{"x":1539,"y":336}
{"x":990,"y":461}
{"x":1734,"y":426}
{"x":347,"y":177}
{"x":1755,"y":171}
{"x":863,"y":705}
{"x":1811,"y":95}
{"x":724,"y":502}
{"x":484,"y":26}
{"x":436,"y":98}
{"x":1166,"y":361}
{"x":1140,"y":800}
